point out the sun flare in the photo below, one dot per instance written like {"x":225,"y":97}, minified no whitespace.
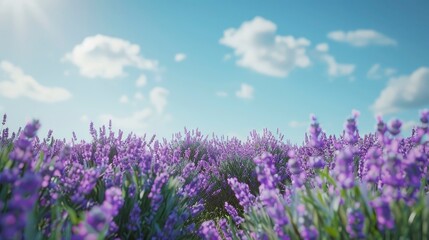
{"x":23,"y":13}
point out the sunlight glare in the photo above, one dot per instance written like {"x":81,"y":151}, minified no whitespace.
{"x":19,"y":13}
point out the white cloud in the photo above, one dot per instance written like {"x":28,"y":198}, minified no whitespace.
{"x":158,"y":98}
{"x":143,"y":121}
{"x":361,"y":37}
{"x":377,"y":72}
{"x":389,"y":71}
{"x":374,"y":72}
{"x":322,"y":47}
{"x":84,"y":118}
{"x":258,"y":48}
{"x":245,"y":92}
{"x":141,"y":81}
{"x":124,"y":99}
{"x":297,"y":124}
{"x":336,"y":69}
{"x":221,"y":94}
{"x":404,"y":92}
{"x":14,"y":83}
{"x":138,"y":96}
{"x":137,"y":121}
{"x":180,"y":57}
{"x":106,"y":57}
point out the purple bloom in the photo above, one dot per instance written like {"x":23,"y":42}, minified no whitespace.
{"x":208,"y":231}
{"x":395,"y":127}
{"x":28,"y":185}
{"x":351,"y":131}
{"x":266,"y":171}
{"x":317,"y":162}
{"x":113,"y":201}
{"x":197,"y":208}
{"x":309,"y":233}
{"x":169,"y":231}
{"x":22,"y":151}
{"x":298,"y":175}
{"x":306,"y":228}
{"x":383,"y":213}
{"x":344,"y":168}
{"x":275,"y":207}
{"x":381,"y":126}
{"x":100,"y":218}
{"x":12,"y":224}
{"x":31,"y":129}
{"x":242,"y":192}
{"x":193,"y":188}
{"x":355,"y":223}
{"x":233,"y":213}
{"x":9,"y":175}
{"x":155,"y":192}
{"x":227,"y":233}
{"x":392,"y":173}
{"x":424,"y":116}
{"x":13,"y":218}
{"x":269,"y":194}
{"x":372,"y":168}
{"x":134,"y":220}
{"x":97,"y":218}
{"x":315,"y":132}
{"x":95,"y":224}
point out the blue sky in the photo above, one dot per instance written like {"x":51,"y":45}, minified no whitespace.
{"x":226,"y":67}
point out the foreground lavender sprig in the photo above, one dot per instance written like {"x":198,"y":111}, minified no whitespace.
{"x":242,"y":192}
{"x":208,"y":231}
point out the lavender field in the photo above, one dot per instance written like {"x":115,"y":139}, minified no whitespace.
{"x":214,"y":120}
{"x":199,"y":187}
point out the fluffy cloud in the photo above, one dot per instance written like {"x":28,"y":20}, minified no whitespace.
{"x":245,"y":92}
{"x":180,"y":57}
{"x":158,"y":98}
{"x":322,"y":47}
{"x":361,"y":38}
{"x":14,"y":83}
{"x":147,"y":118}
{"x":106,"y":57}
{"x":137,"y":121}
{"x":389,"y":71}
{"x":123,"y":99}
{"x":143,"y":121}
{"x":258,"y":48}
{"x":336,"y":69}
{"x":404,"y":92}
{"x":377,"y":72}
{"x":141,"y":81}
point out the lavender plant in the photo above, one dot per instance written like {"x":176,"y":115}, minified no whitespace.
{"x":195,"y":187}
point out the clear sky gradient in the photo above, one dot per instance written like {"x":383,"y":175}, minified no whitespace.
{"x":226,"y":67}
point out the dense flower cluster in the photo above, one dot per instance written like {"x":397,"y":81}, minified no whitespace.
{"x":195,"y":187}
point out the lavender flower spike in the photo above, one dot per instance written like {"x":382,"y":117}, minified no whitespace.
{"x":242,"y":193}
{"x":208,"y":231}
